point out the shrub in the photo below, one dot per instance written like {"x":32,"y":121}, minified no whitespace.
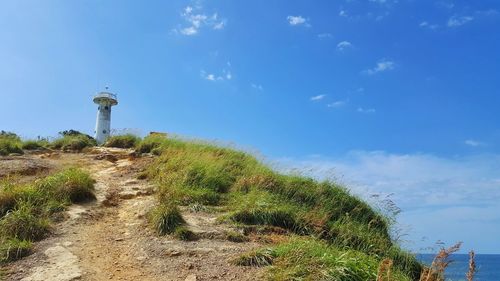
{"x":165,"y":218}
{"x":123,"y":141}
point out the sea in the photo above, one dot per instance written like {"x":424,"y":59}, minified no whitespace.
{"x":488,"y":266}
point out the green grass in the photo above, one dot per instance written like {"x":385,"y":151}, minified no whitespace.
{"x":190,"y":173}
{"x":26,"y":209}
{"x":123,"y":141}
{"x":183,"y":233}
{"x":35,"y":144}
{"x":73,"y":143}
{"x":311,"y":259}
{"x":9,"y":143}
{"x":165,"y":218}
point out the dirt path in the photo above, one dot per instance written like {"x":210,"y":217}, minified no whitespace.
{"x":109,"y":239}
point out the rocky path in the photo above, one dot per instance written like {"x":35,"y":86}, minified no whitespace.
{"x":109,"y":239}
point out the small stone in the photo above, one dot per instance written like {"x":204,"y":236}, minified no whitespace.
{"x":191,"y":277}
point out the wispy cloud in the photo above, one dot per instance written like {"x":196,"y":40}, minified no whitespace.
{"x":225,"y":75}
{"x":337,"y":104}
{"x":383,"y":65}
{"x":456,"y":21}
{"x":298,"y":20}
{"x":428,"y":25}
{"x":366,"y":110}
{"x":195,"y":19}
{"x":474,"y":143}
{"x":344,"y":45}
{"x":317,"y":98}
{"x":462,"y":191}
{"x":324,"y":35}
{"x":257,"y":86}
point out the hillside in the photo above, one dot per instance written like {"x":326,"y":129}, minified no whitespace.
{"x":169,"y":209}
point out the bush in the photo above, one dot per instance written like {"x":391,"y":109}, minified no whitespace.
{"x":123,"y":141}
{"x":165,"y":218}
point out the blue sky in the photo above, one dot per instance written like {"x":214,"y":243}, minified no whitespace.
{"x":389,"y":97}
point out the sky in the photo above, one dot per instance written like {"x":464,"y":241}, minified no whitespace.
{"x":394,"y":98}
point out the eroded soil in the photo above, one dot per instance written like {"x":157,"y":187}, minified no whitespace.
{"x":109,"y":239}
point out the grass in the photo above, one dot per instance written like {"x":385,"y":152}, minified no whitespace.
{"x":191,"y":173}
{"x":165,"y":218}
{"x":9,"y":143}
{"x":183,"y":233}
{"x":35,"y":144}
{"x":26,"y":210}
{"x":123,"y":141}
{"x":74,"y":143}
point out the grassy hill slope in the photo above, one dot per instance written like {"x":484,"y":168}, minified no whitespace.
{"x":332,"y":235}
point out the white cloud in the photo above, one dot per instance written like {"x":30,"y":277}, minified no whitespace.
{"x":456,"y":21}
{"x":297,"y":20}
{"x":441,"y":197}
{"x":366,"y":110}
{"x":474,"y":143}
{"x":189,"y":30}
{"x":344,"y":45}
{"x":337,"y":104}
{"x":196,"y":19}
{"x":343,"y":13}
{"x":426,"y":24}
{"x":383,"y":65}
{"x":213,"y":77}
{"x":318,"y":97}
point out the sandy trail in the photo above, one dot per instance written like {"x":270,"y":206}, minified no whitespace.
{"x":108,"y":239}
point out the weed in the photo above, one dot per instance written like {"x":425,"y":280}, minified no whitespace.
{"x":472,"y":266}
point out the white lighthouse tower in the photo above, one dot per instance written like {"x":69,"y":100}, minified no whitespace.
{"x":105,"y":100}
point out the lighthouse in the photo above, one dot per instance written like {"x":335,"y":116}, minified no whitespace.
{"x":105,"y":100}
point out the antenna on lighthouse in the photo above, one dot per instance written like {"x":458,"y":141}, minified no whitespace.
{"x":105,"y":100}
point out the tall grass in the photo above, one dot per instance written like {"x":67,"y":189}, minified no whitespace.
{"x":123,"y":141}
{"x":74,"y":143}
{"x":253,"y":194}
{"x":9,"y":143}
{"x":26,"y":210}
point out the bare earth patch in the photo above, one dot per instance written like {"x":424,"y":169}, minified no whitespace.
{"x":109,"y":239}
